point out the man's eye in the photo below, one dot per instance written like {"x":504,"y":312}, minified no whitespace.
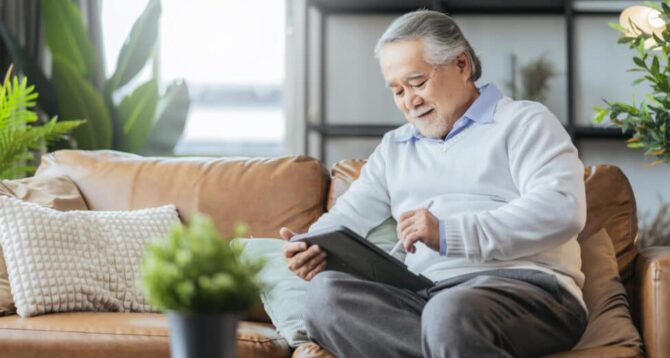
{"x":419,"y":85}
{"x":398,"y":93}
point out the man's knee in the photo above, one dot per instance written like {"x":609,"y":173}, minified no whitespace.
{"x":452,"y":316}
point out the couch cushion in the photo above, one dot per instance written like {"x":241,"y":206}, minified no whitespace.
{"x":343,"y":174}
{"x":611,"y":205}
{"x":266,"y":194}
{"x":610,"y":323}
{"x":600,"y":352}
{"x":57,"y":193}
{"x":102,"y":334}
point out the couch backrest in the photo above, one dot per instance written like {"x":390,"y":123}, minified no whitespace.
{"x":265,"y":194}
{"x":610,"y":204}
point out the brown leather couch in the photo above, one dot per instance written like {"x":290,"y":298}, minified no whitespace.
{"x":292,"y":192}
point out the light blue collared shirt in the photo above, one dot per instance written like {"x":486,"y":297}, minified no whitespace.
{"x":481,"y":111}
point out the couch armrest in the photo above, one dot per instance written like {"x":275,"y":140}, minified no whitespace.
{"x":652,"y":301}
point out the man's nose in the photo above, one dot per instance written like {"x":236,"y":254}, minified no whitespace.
{"x":412,"y":100}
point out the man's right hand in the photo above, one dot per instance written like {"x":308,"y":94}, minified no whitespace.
{"x":301,"y":260}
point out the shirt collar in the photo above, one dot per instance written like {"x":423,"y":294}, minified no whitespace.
{"x":484,"y":107}
{"x":481,"y":111}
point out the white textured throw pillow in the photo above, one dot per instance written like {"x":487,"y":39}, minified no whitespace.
{"x":77,"y":260}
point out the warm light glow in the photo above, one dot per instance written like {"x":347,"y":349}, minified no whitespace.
{"x":645,"y":18}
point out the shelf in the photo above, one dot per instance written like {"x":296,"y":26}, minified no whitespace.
{"x":352,"y":130}
{"x":377,"y":130}
{"x":488,"y":7}
{"x":600,"y":7}
{"x":600,"y":133}
{"x":370,"y":6}
{"x":498,"y":7}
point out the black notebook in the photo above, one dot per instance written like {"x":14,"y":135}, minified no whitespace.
{"x":350,"y":253}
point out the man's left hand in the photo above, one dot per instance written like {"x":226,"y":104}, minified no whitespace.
{"x":418,"y":225}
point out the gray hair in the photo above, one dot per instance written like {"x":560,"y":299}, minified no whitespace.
{"x":442,"y":38}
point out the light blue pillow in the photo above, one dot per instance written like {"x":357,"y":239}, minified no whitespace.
{"x":284,"y":294}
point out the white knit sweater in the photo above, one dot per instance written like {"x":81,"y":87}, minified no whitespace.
{"x":509,"y":194}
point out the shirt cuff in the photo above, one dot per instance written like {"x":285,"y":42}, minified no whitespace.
{"x":443,"y":238}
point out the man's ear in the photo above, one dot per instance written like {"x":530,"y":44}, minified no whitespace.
{"x":462,"y":62}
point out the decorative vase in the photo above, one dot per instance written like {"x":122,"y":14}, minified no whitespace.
{"x":202,"y":335}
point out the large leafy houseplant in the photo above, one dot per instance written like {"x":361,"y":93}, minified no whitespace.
{"x":78,"y":87}
{"x":20,"y":133}
{"x":648,"y":120}
{"x":203,"y":283}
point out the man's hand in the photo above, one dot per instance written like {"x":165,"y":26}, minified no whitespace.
{"x":304,"y":262}
{"x":418,"y":225}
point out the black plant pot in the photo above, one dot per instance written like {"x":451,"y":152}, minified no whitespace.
{"x":202,"y":335}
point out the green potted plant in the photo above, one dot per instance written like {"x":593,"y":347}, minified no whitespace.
{"x":648,"y":120}
{"x":20,"y":132}
{"x":199,"y":279}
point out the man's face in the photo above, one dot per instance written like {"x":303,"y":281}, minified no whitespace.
{"x":432,"y":97}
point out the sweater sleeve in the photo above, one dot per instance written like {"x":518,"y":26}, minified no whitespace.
{"x":366,"y":203}
{"x":550,"y":209}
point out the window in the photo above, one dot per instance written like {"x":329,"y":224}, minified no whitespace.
{"x":231,"y":54}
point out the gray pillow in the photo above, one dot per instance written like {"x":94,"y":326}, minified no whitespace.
{"x":284,"y":292}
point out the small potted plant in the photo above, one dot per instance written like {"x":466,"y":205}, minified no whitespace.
{"x":199,"y":279}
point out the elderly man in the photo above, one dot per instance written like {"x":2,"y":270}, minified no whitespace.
{"x":500,"y":237}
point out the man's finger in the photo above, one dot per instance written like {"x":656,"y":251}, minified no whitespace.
{"x":403,"y":224}
{"x":286,"y":233}
{"x":300,"y":259}
{"x":291,"y":248}
{"x":312,"y":264}
{"x":315,"y":261}
{"x":406,"y":214}
{"x":407,"y":231}
{"x":316,"y":270}
{"x":410,"y":240}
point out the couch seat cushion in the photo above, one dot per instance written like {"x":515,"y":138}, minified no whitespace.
{"x":113,"y":334}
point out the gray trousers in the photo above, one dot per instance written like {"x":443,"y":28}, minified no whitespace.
{"x":500,"y":313}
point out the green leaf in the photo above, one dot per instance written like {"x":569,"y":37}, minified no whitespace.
{"x":640,"y":47}
{"x":67,"y":37}
{"x":137,"y":112}
{"x":654,"y":67}
{"x":171,"y":114}
{"x":138,"y":46}
{"x":78,"y":99}
{"x":617,"y":27}
{"x":638,"y":61}
{"x":625,"y":39}
{"x":600,"y":115}
{"x":666,"y":8}
{"x":638,"y":81}
{"x":635,"y":145}
{"x":31,"y":69}
{"x":20,"y":135}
